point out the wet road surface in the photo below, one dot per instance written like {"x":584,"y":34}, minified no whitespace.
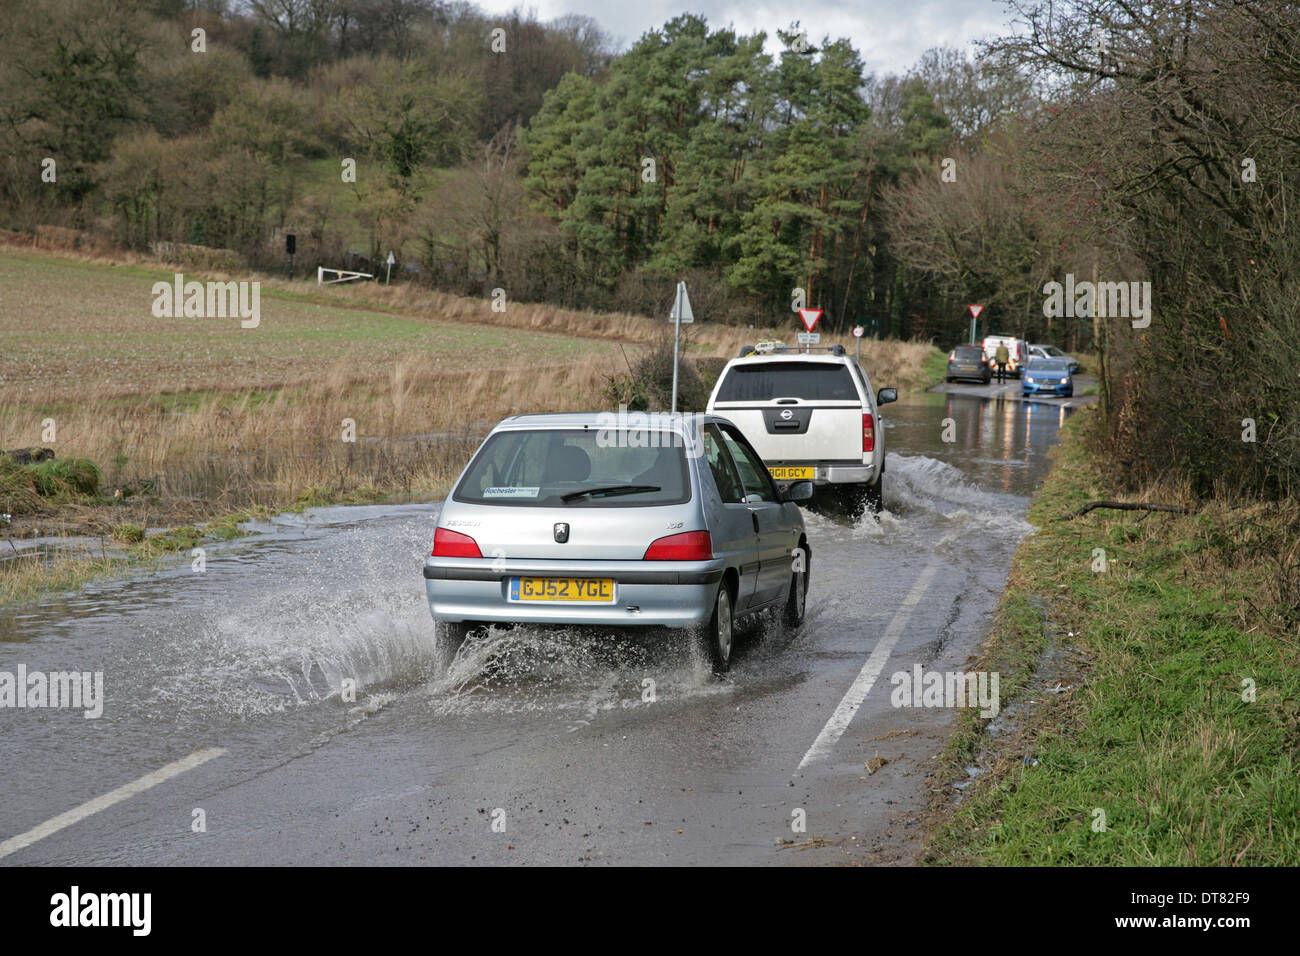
{"x":531,"y":746}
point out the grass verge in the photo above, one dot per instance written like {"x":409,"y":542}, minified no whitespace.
{"x":1159,"y":697}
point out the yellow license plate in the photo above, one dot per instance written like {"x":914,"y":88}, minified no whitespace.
{"x":794,"y":473}
{"x":563,"y":590}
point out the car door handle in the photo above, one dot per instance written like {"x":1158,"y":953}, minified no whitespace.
{"x":754,"y":517}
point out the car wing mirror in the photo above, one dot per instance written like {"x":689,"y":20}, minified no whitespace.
{"x":886,"y":395}
{"x":799,"y":491}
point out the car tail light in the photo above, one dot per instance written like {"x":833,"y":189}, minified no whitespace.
{"x":868,"y":433}
{"x":453,"y":544}
{"x":952,"y":356}
{"x":687,"y":546}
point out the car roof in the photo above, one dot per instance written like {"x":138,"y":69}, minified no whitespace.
{"x":603,"y":419}
{"x":787,"y":355}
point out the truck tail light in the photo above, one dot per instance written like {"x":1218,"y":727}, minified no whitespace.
{"x":687,"y":546}
{"x":453,"y":544}
{"x":868,"y":433}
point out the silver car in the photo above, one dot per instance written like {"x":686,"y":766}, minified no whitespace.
{"x":618,"y":519}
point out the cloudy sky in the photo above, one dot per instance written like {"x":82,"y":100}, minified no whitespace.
{"x":889,"y":34}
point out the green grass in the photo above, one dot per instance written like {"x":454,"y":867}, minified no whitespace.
{"x":1158,"y":736}
{"x":935,"y":368}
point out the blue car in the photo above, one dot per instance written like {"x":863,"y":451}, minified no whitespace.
{"x":1047,"y":377}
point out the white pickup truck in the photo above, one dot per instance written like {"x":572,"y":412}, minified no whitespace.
{"x":812,"y":416}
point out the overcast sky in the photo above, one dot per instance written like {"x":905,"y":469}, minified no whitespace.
{"x":889,"y":34}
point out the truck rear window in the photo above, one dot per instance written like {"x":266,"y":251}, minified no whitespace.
{"x":811,"y":381}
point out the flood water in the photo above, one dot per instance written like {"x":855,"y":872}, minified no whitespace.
{"x":251,"y":655}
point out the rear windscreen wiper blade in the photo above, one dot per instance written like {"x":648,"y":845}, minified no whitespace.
{"x":611,"y":490}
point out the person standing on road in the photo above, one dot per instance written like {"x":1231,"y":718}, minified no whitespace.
{"x":1000,"y":359}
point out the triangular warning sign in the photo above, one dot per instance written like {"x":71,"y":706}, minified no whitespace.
{"x":975,"y":310}
{"x":810,"y":317}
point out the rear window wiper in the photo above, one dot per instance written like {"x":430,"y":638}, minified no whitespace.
{"x":611,"y":490}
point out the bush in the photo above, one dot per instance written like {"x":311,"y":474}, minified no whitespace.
{"x":18,"y":493}
{"x":63,"y":476}
{"x":130,"y":533}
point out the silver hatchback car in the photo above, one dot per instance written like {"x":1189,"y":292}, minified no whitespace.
{"x":622,"y":520}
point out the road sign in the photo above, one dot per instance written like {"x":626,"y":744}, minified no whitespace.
{"x":810,"y":338}
{"x":389,"y":274}
{"x":975,"y":311}
{"x":681,"y":313}
{"x":858,"y":331}
{"x":810,"y":317}
{"x":682,"y":305}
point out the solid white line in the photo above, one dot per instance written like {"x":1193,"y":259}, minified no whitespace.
{"x":77,"y":814}
{"x":861,"y":686}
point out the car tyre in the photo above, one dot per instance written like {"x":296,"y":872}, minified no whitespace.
{"x":796,"y":604}
{"x":717,"y":637}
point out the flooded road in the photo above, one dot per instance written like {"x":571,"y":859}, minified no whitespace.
{"x":531,"y":746}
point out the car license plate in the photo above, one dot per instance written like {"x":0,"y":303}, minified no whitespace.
{"x":793,"y":472}
{"x":563,"y":590}
{"x":967,"y":368}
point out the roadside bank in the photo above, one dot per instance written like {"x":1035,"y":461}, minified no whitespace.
{"x":1150,"y":687}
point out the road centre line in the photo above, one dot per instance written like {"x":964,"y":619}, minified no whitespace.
{"x":839,"y":721}
{"x":124,"y":792}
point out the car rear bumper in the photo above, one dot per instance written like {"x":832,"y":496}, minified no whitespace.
{"x":840,"y":474}
{"x":659,"y":593}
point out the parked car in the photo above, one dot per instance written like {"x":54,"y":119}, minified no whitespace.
{"x":969,"y":362}
{"x":623,"y":521}
{"x":1017,"y":350}
{"x":1052,"y":352}
{"x":812,"y":416}
{"x":1050,"y":376}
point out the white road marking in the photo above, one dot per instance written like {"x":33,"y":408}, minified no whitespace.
{"x":77,"y":814}
{"x":857,"y":693}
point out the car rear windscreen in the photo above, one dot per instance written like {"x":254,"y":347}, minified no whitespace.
{"x":554,"y":467}
{"x":968,"y":352}
{"x":811,"y":381}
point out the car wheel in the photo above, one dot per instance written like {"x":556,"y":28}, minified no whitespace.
{"x":1069,"y":393}
{"x":796,"y":603}
{"x":718,"y":635}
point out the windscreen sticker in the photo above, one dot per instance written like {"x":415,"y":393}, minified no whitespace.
{"x":510,"y":492}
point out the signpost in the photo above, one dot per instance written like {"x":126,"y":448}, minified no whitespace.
{"x":681,"y":313}
{"x":389,"y":274}
{"x":810,"y":318}
{"x":858,"y":332}
{"x":975,"y":311}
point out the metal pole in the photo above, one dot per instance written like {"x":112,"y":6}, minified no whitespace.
{"x":677,"y":337}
